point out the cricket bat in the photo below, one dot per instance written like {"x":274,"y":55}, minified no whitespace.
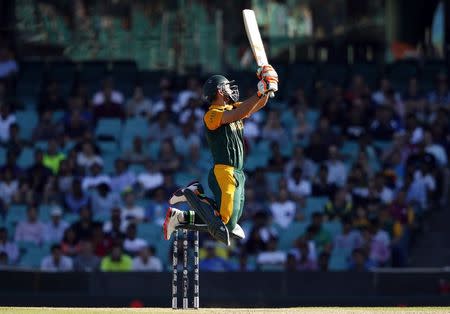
{"x":254,"y":37}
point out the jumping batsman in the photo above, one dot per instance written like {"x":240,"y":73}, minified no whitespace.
{"x":224,"y":133}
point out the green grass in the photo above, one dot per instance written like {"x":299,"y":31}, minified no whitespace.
{"x":302,"y":310}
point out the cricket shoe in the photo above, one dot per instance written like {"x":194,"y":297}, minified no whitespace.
{"x":238,"y":232}
{"x":173,"y":217}
{"x":178,"y":195}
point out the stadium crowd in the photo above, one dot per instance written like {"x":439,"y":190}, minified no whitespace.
{"x":341,"y":179}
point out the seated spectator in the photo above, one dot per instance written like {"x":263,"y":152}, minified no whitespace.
{"x":100,"y":242}
{"x":38,"y":174}
{"x":340,"y":206}
{"x":383,"y":126}
{"x":108,"y":109}
{"x":137,"y":154}
{"x":163,"y":129}
{"x":380,"y":252}
{"x":11,"y":164}
{"x":323,"y":261}
{"x":47,"y":129}
{"x":95,"y":178}
{"x":273,"y":130}
{"x":213,"y":262}
{"x":50,"y":98}
{"x":139,"y":105}
{"x":4,"y":261}
{"x":169,"y":184}
{"x":299,"y":159}
{"x":361,"y":219}
{"x":356,"y":120}
{"x":271,"y":256}
{"x":193,"y":91}
{"x":86,"y":261}
{"x":382,"y":191}
{"x":132,"y":244}
{"x":283,"y":209}
{"x":7,"y":118}
{"x":166,"y":102}
{"x":9,"y":248}
{"x":76,"y":198}
{"x":123,"y":178}
{"x":31,"y":229}
{"x":413,"y":130}
{"x":380,"y":96}
{"x":52,"y":158}
{"x":115,"y":227}
{"x":193,"y":163}
{"x":260,"y":234}
{"x":70,"y":243}
{"x":8,"y":66}
{"x":9,"y":187}
{"x":440,"y":96}
{"x":192,"y":114}
{"x":321,"y":186}
{"x":56,"y":262}
{"x":359,"y":261}
{"x":186,"y":139}
{"x":349,"y":239}
{"x":107,"y":94}
{"x":305,"y":254}
{"x":75,"y":125}
{"x":152,"y":178}
{"x":64,"y":178}
{"x":103,"y":199}
{"x":84,"y":226}
{"x":358,"y":186}
{"x":318,"y":234}
{"x":117,"y":261}
{"x":337,"y":171}
{"x":434,"y":148}
{"x":131,"y":212}
{"x":147,"y":261}
{"x":302,"y":128}
{"x":55,"y":228}
{"x":400,"y":210}
{"x":88,"y":157}
{"x":168,"y":160}
{"x":277,"y":161}
{"x":316,"y":148}
{"x":158,"y":206}
{"x":298,"y":186}
{"x":15,"y":143}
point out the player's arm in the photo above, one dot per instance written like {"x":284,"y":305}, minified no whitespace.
{"x":260,"y":104}
{"x":243,"y":110}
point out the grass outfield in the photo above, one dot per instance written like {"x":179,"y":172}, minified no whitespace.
{"x":303,"y":310}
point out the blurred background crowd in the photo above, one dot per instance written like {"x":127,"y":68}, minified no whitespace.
{"x":346,"y":167}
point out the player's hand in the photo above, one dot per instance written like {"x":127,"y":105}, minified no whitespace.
{"x":266,"y":72}
{"x":266,"y":86}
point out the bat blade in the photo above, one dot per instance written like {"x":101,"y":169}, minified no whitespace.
{"x":254,"y":37}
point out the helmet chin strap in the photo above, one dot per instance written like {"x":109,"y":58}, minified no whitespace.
{"x":230,"y":92}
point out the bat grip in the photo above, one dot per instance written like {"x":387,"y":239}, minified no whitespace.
{"x":271,"y":94}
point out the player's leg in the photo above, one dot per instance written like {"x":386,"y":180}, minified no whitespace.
{"x":239,"y":198}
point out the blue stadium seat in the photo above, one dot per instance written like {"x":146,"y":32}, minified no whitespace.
{"x":108,"y":147}
{"x":153,"y":149}
{"x":136,"y":168}
{"x":272,"y":180}
{"x":183,"y":178}
{"x":290,"y":234}
{"x":26,"y":158}
{"x":44,"y":212}
{"x":150,"y":232}
{"x":339,"y":260}
{"x":33,"y":257}
{"x":2,"y":155}
{"x":16,"y":213}
{"x":314,"y":204}
{"x":42,"y":145}
{"x":108,"y":129}
{"x":71,"y":218}
{"x":27,"y":120}
{"x":333,"y":227}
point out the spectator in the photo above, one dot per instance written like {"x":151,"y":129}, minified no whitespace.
{"x":147,"y":261}
{"x":9,"y":187}
{"x":277,"y":161}
{"x":299,"y":159}
{"x":163,"y":128}
{"x":168,"y":159}
{"x":356,"y":120}
{"x":151,"y":178}
{"x":441,"y":95}
{"x":88,"y":157}
{"x":8,"y":247}
{"x":260,"y":234}
{"x":349,"y":239}
{"x":137,"y":154}
{"x":283,"y":209}
{"x":115,"y":227}
{"x":101,"y":244}
{"x":107,"y":95}
{"x":38,"y":174}
{"x":64,"y":177}
{"x":302,"y":128}
{"x":157,"y":208}
{"x":337,"y":171}
{"x":8,"y":66}
{"x":340,"y":206}
{"x":213,"y":262}
{"x":109,"y":109}
{"x":271,"y":257}
{"x":139,"y":105}
{"x":305,"y":255}
{"x":15,"y":143}
{"x":103,"y":200}
{"x":359,"y":261}
{"x":116,"y":261}
{"x":86,"y":261}
{"x":84,"y":226}
{"x":166,"y":102}
{"x":123,"y":178}
{"x":184,"y":141}
{"x":70,"y":244}
{"x":11,"y":164}
{"x":95,"y":178}
{"x":298,"y":186}
{"x":273,"y":130}
{"x":31,"y":229}
{"x":76,"y":198}
{"x":321,"y":186}
{"x":435,"y":149}
{"x":318,"y":234}
{"x":56,"y":262}
{"x":132,"y":244}
{"x":380,"y":97}
{"x":380,"y":245}
{"x":50,"y":98}
{"x":383,"y":126}
{"x":6,"y":120}
{"x":75,"y":125}
{"x":192,"y":91}
{"x":55,"y":228}
{"x":47,"y":129}
{"x":130,"y":211}
{"x":192,"y":114}
{"x":52,"y":158}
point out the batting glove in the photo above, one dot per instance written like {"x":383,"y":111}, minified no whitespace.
{"x":266,"y":86}
{"x":267,"y":71}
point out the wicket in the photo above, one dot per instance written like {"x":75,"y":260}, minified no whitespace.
{"x":185,"y":277}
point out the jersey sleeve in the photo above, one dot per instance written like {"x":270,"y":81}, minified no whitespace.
{"x":213,"y":118}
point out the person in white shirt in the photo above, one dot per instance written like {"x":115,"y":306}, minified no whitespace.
{"x":9,"y":248}
{"x":283,"y":209}
{"x":87,"y":157}
{"x":95,"y":178}
{"x":6,"y":120}
{"x":152,"y":178}
{"x":54,"y":230}
{"x":123,"y":177}
{"x":435,"y":149}
{"x":131,"y":211}
{"x":56,"y":262}
{"x":300,"y":160}
{"x":147,"y":261}
{"x":9,"y":187}
{"x":30,"y":230}
{"x":297,"y":185}
{"x":380,"y":250}
{"x":132,"y":244}
{"x":337,"y":171}
{"x":139,"y":105}
{"x":108,"y":88}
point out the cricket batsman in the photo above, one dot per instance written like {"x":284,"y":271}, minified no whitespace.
{"x":224,"y":131}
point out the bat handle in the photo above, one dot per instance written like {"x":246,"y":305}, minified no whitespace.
{"x":271,"y":94}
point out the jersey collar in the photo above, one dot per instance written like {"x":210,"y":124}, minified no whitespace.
{"x":222,"y":107}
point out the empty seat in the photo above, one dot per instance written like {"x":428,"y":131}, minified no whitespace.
{"x":108,"y":129}
{"x":290,"y":234}
{"x":27,"y":120}
{"x":26,"y":158}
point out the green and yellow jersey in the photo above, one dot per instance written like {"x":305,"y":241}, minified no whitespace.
{"x":226,"y":141}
